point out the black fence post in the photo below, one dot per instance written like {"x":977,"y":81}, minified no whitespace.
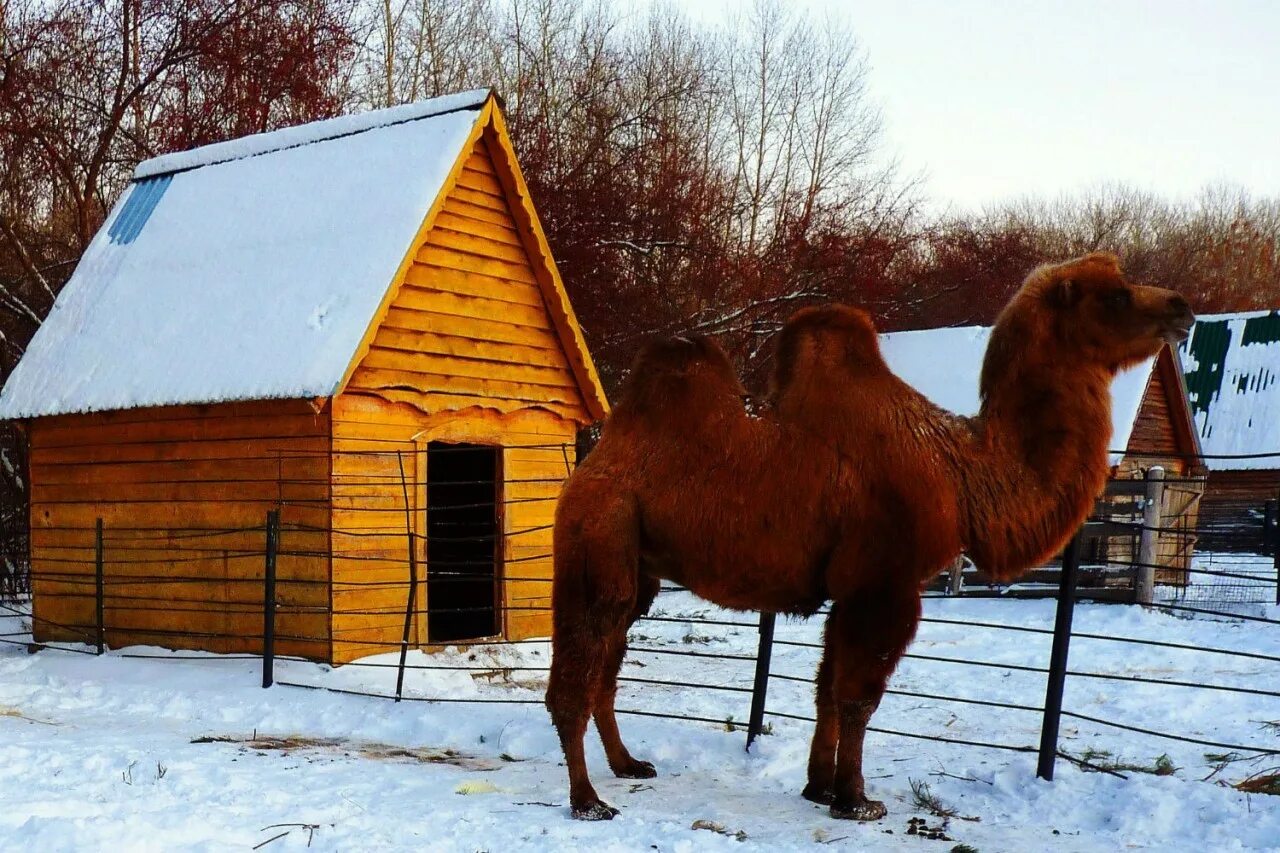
{"x":1271,"y":535}
{"x":759,"y":690}
{"x":408,"y":617}
{"x":98,"y":591}
{"x":411,"y":599}
{"x":1058,"y":659}
{"x":269,"y":599}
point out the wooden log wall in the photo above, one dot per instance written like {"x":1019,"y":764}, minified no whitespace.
{"x":183,"y":492}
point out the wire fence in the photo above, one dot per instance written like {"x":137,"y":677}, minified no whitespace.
{"x":460,"y":565}
{"x":1149,"y":542}
{"x":14,"y":546}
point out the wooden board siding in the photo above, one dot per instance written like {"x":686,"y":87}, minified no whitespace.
{"x":468,"y":352}
{"x":1154,"y":439}
{"x":1232,"y":506}
{"x":534,"y":477}
{"x":1163,"y":434}
{"x":370,"y":541}
{"x":183,"y":493}
{"x":469,"y":326}
{"x":370,"y":564}
{"x":1250,"y":486}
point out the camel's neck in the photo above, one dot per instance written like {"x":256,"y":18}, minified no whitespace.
{"x":1040,"y":461}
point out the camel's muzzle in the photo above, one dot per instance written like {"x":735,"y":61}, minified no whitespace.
{"x":1178,"y":327}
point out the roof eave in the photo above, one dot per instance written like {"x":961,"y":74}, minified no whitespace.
{"x":1184,"y":421}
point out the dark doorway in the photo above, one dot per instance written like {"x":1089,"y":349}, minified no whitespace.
{"x":462,"y":542}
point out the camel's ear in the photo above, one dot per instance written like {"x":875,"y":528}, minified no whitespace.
{"x":1104,"y":259}
{"x":1065,"y":293}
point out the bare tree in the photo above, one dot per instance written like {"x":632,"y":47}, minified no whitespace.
{"x":424,"y":48}
{"x":90,"y":87}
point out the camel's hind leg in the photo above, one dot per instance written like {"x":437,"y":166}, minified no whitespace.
{"x":826,"y":731}
{"x":621,"y":761}
{"x":593,"y":595}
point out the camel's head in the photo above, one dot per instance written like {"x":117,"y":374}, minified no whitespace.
{"x":1096,"y":315}
{"x":817,"y":340}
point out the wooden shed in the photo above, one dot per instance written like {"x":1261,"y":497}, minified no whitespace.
{"x":1232,"y":363}
{"x":357,"y":322}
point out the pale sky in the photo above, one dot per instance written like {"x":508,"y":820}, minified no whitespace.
{"x":991,"y":99}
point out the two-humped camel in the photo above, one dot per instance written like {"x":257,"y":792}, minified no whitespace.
{"x":853,"y":488}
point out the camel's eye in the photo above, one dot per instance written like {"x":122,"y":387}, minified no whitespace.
{"x":1118,"y":299}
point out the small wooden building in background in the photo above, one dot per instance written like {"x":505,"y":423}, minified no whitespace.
{"x":1232,"y":362}
{"x":318,"y":320}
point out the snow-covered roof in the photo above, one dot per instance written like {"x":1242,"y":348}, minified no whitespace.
{"x":1232,"y":365}
{"x":249,"y":269}
{"x":945,"y":364}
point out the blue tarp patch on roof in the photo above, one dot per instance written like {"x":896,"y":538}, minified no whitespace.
{"x":137,"y":209}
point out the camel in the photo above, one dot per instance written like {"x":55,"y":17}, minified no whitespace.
{"x":852,"y":487}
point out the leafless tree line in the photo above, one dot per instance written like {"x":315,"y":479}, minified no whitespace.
{"x":690,"y":178}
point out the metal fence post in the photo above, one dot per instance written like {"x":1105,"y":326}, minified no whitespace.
{"x":269,"y":599}
{"x":1149,"y":543}
{"x":411,"y":598}
{"x":1058,"y":658}
{"x":410,"y":602}
{"x":955,"y":579}
{"x":1269,"y":538}
{"x":759,"y":689}
{"x":1272,"y":537}
{"x":98,"y":591}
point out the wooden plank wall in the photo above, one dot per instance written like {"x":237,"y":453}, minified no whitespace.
{"x":1253,"y":487}
{"x":370,"y":542}
{"x":183,"y":493}
{"x":1232,"y":506}
{"x":468,"y":353}
{"x":534,"y":477}
{"x":371,"y":439}
{"x":1153,"y":440}
{"x":469,"y":326}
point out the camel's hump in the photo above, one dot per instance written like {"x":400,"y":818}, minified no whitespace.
{"x":816,"y":339}
{"x":669,"y":368}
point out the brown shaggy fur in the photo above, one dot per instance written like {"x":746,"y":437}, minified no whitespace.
{"x":852,"y":488}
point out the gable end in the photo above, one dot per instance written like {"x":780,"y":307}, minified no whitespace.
{"x":469,"y":322}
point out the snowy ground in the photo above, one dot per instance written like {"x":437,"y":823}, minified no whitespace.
{"x":98,"y":753}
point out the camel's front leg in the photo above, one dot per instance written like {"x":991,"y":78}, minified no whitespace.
{"x":870,"y":635}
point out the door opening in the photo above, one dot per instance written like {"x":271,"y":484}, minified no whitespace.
{"x":462,"y":542}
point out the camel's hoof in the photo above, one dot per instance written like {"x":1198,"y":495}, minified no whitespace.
{"x":637,"y":769}
{"x":818,"y":794}
{"x":865,"y":810}
{"x":595,"y":810}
